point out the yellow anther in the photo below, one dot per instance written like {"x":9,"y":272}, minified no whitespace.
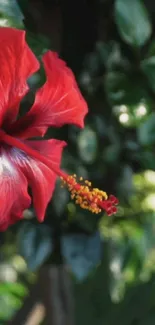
{"x":87,"y":183}
{"x":84,"y":195}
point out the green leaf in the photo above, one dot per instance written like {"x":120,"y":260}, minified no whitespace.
{"x":124,"y":89}
{"x":8,"y":303}
{"x":111,"y":153}
{"x":15,"y":288}
{"x":133,"y":22}
{"x":148,"y":67}
{"x":11,"y":295}
{"x":146,"y":131}
{"x":125,"y":183}
{"x":82,"y":253}
{"x":87,"y":145}
{"x":38,"y":43}
{"x":146,"y":158}
{"x":34,"y":244}
{"x":109,"y":54}
{"x":115,"y":82}
{"x":11,"y":9}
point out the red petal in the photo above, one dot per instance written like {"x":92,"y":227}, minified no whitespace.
{"x":14,"y":198}
{"x":17,"y":63}
{"x":58,"y":102}
{"x":40,"y":178}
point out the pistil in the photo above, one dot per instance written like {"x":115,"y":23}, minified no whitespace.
{"x":81,"y":191}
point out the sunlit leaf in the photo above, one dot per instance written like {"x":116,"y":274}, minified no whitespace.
{"x":14,"y":288}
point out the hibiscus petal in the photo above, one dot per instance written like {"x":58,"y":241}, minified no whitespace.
{"x":58,"y":102}
{"x":40,"y":178}
{"x":14,"y":198}
{"x":17,"y":63}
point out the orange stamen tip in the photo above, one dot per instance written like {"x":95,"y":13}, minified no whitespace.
{"x":89,"y":198}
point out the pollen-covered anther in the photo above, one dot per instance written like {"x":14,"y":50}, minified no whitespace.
{"x":89,"y":198}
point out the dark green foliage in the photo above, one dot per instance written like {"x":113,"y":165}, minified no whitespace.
{"x":110,"y":45}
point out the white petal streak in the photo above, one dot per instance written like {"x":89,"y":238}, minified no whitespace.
{"x":13,"y":189}
{"x":6,"y":166}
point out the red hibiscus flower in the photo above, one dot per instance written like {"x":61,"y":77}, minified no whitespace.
{"x":25,"y":162}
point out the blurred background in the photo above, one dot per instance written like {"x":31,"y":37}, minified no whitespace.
{"x":110,"y":46}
